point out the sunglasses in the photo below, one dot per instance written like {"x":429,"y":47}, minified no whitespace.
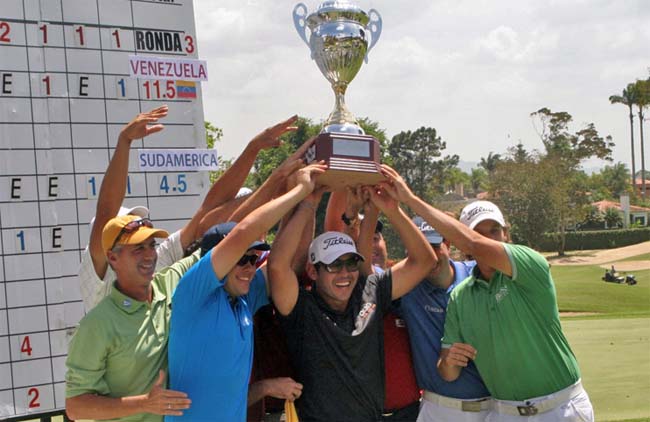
{"x":350,"y":265}
{"x":131,"y":227}
{"x":247,"y":259}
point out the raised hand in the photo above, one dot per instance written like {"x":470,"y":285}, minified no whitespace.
{"x":270,"y":137}
{"x":396,"y":187}
{"x":306,"y":176}
{"x":161,"y":401}
{"x":144,"y":124}
{"x":380,"y":197}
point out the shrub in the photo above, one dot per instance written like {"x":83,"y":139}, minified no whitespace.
{"x":597,"y":239}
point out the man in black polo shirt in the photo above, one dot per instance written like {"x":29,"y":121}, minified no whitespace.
{"x":334,"y":331}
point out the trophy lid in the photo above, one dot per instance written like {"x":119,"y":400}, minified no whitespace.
{"x":333,"y":10}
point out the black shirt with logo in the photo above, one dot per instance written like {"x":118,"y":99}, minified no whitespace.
{"x":339,"y":356}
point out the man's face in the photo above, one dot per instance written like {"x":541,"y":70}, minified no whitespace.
{"x":336,"y":288}
{"x":379,"y":252}
{"x":441,"y":275}
{"x":134,"y":264}
{"x":238,"y":280}
{"x":491,"y":229}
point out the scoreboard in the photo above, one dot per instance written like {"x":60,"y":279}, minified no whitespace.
{"x":66,"y":89}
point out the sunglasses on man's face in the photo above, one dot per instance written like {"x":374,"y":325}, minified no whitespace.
{"x":247,"y":259}
{"x":350,"y":265}
{"x":131,"y":227}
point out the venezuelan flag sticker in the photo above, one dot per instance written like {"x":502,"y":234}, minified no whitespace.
{"x":185,"y":89}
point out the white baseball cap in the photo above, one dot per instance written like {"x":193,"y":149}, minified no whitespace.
{"x":138,"y":210}
{"x":479,"y":211}
{"x":329,"y":246}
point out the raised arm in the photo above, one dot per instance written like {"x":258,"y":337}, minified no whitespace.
{"x":113,"y":187}
{"x":227,"y":186}
{"x":226,"y":254}
{"x":467,"y":240}
{"x":273,"y":184}
{"x":282,"y":278}
{"x":421,"y":258}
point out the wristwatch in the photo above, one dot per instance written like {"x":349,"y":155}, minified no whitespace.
{"x":348,"y":221}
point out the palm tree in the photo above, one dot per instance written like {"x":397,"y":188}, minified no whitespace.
{"x":629,"y":99}
{"x":642,"y":100}
{"x":490,"y":163}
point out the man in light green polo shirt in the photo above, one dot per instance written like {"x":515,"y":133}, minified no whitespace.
{"x":118,"y":354}
{"x":505,"y":318}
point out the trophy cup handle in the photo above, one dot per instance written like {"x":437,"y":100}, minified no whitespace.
{"x":374,"y":25}
{"x":299,"y":16}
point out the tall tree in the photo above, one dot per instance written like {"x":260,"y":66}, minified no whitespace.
{"x":614,"y":179}
{"x":414,"y":156}
{"x":628,"y":98}
{"x":564,"y":153}
{"x":642,"y":100}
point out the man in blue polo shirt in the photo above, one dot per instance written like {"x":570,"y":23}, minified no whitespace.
{"x":211,"y":333}
{"x":424,"y":309}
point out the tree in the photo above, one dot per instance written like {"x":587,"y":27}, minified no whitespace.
{"x":490,"y":162}
{"x":615,"y":179}
{"x":628,"y":98}
{"x":564,"y":153}
{"x":213,"y":135}
{"x":613,"y":218}
{"x":642,"y":100}
{"x":478,"y":180}
{"x":414,"y":156}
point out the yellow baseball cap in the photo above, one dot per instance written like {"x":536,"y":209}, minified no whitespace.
{"x":128,"y":230}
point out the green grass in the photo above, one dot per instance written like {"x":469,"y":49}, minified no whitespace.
{"x":615,"y":364}
{"x":580,"y":289}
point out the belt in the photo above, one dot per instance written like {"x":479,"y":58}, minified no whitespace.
{"x":458,"y":404}
{"x":538,"y":405}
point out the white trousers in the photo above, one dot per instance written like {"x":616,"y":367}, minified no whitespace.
{"x":433,"y":412}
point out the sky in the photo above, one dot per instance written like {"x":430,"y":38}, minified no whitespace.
{"x":472,"y":69}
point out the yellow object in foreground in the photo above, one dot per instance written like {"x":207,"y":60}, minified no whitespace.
{"x":290,"y":411}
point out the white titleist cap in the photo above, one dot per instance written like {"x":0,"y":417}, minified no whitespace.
{"x":479,"y":211}
{"x":139,"y":210}
{"x":329,"y":246}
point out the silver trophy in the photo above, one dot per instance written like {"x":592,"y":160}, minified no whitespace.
{"x":341,"y":35}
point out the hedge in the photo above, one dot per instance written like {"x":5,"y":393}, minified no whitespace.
{"x":596,"y":239}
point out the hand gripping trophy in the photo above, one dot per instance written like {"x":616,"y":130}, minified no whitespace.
{"x":341,"y":35}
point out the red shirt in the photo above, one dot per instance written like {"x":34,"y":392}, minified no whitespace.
{"x":401,"y":386}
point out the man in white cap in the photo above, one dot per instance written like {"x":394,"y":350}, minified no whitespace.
{"x":504,"y":317}
{"x":95,"y":276}
{"x":334,"y":331}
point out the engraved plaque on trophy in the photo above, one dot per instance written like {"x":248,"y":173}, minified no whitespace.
{"x":341,"y":35}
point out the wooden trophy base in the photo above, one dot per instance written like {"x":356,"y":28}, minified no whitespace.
{"x":351,"y":159}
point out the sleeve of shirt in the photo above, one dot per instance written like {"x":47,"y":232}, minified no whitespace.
{"x":257,"y":296}
{"x":86,"y":362}
{"x":169,"y":277}
{"x":93,"y":289}
{"x":385,"y":283}
{"x":528,"y":267}
{"x":452,"y":332}
{"x":170,"y":250}
{"x":197,"y":283}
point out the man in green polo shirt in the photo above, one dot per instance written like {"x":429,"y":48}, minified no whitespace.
{"x":504,"y":317}
{"x":117,"y":356}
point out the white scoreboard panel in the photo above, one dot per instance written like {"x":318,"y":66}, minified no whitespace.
{"x":65,"y":93}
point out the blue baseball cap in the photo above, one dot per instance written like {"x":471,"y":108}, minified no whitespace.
{"x":432,"y":236}
{"x":218,"y":232}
